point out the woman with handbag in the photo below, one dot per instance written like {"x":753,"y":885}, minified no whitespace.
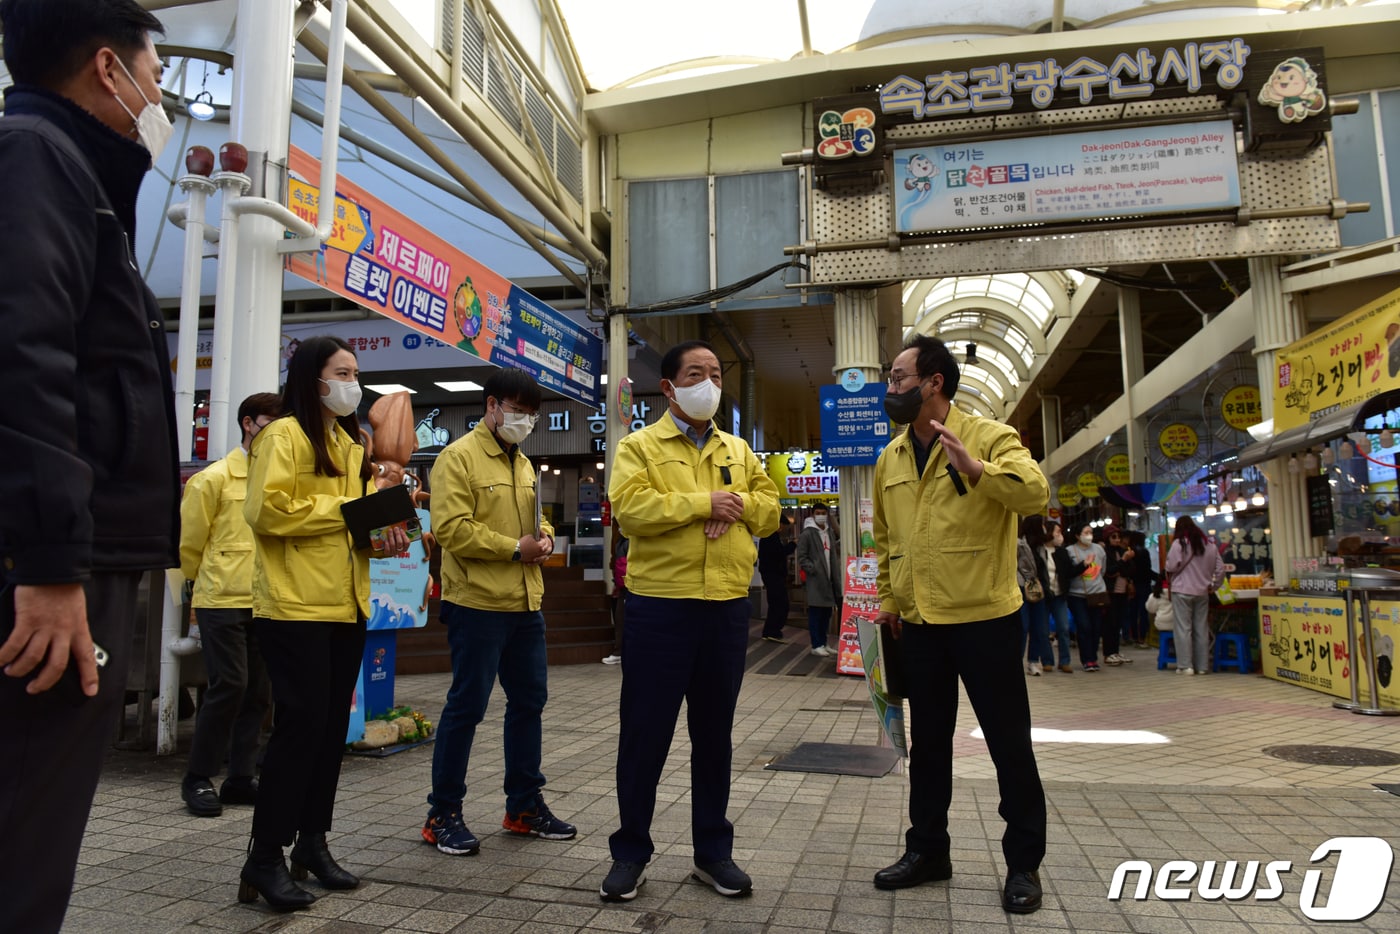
{"x":1088,"y":595}
{"x":1031,"y":574}
{"x":1196,"y":569}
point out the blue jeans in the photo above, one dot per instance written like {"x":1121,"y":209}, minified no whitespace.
{"x":1088,"y":621}
{"x":486,"y":644}
{"x":1035,"y":623}
{"x":1058,"y":609}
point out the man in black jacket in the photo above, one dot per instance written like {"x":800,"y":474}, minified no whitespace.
{"x":89,"y":488}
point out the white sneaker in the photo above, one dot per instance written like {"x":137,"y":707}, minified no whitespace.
{"x":1185,"y":671}
{"x":1114,"y":659}
{"x":823,"y":651}
{"x":1035,"y":669}
{"x":612,"y":660}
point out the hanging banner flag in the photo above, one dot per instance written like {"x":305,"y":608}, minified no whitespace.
{"x":381,"y":260}
{"x":1346,"y":362}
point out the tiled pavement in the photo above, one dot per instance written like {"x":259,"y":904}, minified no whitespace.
{"x":1203,"y":790}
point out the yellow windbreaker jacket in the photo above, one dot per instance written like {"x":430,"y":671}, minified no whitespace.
{"x":660,"y":492}
{"x":305,"y":566}
{"x":945,"y":558}
{"x":216,"y":545}
{"x":481,"y":504}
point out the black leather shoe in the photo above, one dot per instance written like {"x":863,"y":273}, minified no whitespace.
{"x":243,"y":790}
{"x":311,"y":855}
{"x":267,"y":876}
{"x":914,"y":869}
{"x":1022,"y":893}
{"x":199,"y":797}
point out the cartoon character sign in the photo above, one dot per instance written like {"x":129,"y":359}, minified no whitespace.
{"x":922,"y":171}
{"x":1292,"y":88}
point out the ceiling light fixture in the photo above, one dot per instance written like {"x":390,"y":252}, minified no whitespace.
{"x":1257,"y":499}
{"x":459,"y":385}
{"x":971,"y":354}
{"x":385,"y":389}
{"x":202,"y":107}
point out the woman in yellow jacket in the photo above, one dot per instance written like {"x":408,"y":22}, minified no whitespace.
{"x":310,"y":601}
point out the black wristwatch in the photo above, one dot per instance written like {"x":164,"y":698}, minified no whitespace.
{"x":516,"y":556}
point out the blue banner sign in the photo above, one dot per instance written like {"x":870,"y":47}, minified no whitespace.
{"x":855,"y":428}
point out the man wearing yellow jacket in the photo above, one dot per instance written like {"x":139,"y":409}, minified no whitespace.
{"x":691,"y":499}
{"x":948,"y":492}
{"x":216,"y":552}
{"x":483,"y":510}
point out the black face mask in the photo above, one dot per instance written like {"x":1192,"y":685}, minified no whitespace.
{"x":903,"y":407}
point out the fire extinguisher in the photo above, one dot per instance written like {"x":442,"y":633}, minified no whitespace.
{"x":201,"y":431}
{"x":606,"y":512}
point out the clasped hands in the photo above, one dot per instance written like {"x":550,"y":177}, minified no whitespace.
{"x":535,"y":550}
{"x":725,"y":509}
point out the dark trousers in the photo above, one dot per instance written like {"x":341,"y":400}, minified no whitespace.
{"x":986,"y":656}
{"x":691,"y":650}
{"x":52,"y":754}
{"x":775,"y":585}
{"x":230,"y":719}
{"x":1113,"y":625}
{"x":313,"y":667}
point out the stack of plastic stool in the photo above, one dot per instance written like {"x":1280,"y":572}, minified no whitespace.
{"x":1166,"y":650}
{"x":1239,"y":659}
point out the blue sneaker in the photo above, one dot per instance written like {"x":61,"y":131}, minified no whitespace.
{"x":724,"y":877}
{"x":539,"y":822}
{"x":450,"y":835}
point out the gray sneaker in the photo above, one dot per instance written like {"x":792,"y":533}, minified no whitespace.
{"x":725,"y":878}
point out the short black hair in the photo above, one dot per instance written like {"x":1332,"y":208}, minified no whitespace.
{"x":820,"y":505}
{"x":935,"y":357}
{"x":507,"y":384}
{"x":47,"y":41}
{"x":258,"y":405}
{"x":671,"y":363}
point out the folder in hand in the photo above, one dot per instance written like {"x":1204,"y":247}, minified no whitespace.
{"x":369,"y":517}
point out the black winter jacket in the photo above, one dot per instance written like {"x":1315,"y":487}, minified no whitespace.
{"x":88,"y":476}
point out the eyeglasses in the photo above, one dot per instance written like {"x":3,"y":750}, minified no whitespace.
{"x":513,"y":409}
{"x":896,"y":379}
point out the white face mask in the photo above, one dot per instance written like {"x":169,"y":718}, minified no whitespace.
{"x":344,"y":397}
{"x":700,"y":401}
{"x":516,"y":427}
{"x":152,"y":125}
{"x":1087,"y":538}
{"x":820,"y":521}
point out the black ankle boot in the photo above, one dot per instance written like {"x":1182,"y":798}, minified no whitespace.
{"x":265,"y":874}
{"x":311,"y":855}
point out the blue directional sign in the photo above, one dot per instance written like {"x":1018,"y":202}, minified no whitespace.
{"x":855,"y":428}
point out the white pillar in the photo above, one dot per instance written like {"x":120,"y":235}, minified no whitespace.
{"x":857,"y":345}
{"x":1130,"y":348}
{"x":260,"y":119}
{"x":198,"y":188}
{"x":1277,"y":323}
